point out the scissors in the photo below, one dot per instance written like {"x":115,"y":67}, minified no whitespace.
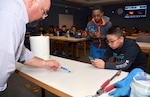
{"x":103,"y":88}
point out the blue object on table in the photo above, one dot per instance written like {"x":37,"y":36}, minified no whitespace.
{"x":65,"y":69}
{"x":123,"y":86}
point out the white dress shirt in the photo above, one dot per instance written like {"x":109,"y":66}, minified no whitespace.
{"x":13,"y":19}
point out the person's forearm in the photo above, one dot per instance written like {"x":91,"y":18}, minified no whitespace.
{"x":123,"y":65}
{"x":36,"y":62}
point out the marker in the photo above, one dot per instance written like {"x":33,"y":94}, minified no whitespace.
{"x":65,"y":69}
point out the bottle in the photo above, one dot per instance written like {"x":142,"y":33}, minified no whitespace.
{"x":68,"y":35}
{"x":57,"y":33}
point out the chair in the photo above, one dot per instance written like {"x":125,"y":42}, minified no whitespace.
{"x":144,"y":38}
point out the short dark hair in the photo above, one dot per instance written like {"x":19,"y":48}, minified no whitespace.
{"x":64,"y":26}
{"x":115,"y":30}
{"x":97,"y":7}
{"x":73,"y":26}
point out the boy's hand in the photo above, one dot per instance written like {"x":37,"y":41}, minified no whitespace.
{"x":99,"y":63}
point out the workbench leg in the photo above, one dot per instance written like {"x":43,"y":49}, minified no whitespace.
{"x":76,"y":50}
{"x":43,"y":92}
{"x":148,"y":64}
{"x":84,"y":48}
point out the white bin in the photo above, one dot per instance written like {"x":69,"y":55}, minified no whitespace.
{"x":140,"y":86}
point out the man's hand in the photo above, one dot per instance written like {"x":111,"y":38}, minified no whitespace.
{"x":51,"y":64}
{"x":98,"y":35}
{"x":99,"y":63}
{"x":94,"y":34}
{"x":38,"y":62}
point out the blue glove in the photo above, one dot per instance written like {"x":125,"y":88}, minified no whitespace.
{"x":123,"y":86}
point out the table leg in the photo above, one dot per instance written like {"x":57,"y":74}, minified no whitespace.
{"x":43,"y":92}
{"x":84,"y":48}
{"x":52,"y":46}
{"x":76,"y":52}
{"x":148,"y":64}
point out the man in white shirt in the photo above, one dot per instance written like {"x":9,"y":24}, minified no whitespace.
{"x":14,"y":15}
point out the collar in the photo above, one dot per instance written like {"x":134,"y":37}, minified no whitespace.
{"x":102,"y":22}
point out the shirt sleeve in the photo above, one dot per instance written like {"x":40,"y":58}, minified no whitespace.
{"x":25,"y":54}
{"x":88,"y":37}
{"x":90,"y":28}
{"x":106,"y":28}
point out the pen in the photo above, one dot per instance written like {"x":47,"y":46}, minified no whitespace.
{"x":65,"y":69}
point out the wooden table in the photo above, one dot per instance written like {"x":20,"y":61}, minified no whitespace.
{"x":76,"y":41}
{"x":145,"y":46}
{"x":131,"y":37}
{"x":83,"y":80}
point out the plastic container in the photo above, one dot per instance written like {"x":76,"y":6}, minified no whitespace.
{"x":140,"y":86}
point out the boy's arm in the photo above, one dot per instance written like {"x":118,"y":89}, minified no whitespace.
{"x":129,"y":57}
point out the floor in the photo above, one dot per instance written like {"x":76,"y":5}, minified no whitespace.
{"x":20,"y":87}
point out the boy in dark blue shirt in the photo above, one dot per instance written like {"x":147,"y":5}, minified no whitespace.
{"x":126,"y":52}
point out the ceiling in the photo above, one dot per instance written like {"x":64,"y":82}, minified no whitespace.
{"x":102,"y":2}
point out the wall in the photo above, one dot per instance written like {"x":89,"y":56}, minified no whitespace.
{"x":79,"y":13}
{"x":142,"y":23}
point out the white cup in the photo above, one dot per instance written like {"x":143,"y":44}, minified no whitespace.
{"x":57,"y":33}
{"x":140,"y":86}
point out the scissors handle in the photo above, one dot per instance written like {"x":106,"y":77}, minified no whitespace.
{"x":109,"y":88}
{"x":105,"y":84}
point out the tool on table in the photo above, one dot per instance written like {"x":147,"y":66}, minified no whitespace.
{"x":64,"y":68}
{"x":103,"y":87}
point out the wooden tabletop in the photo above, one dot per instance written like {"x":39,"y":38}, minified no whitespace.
{"x":144,"y":45}
{"x":70,"y":39}
{"x":131,"y":37}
